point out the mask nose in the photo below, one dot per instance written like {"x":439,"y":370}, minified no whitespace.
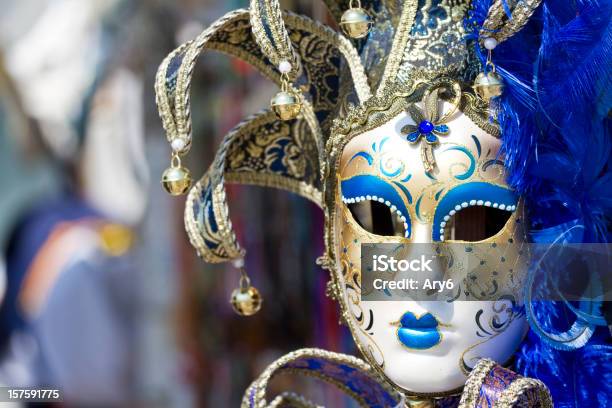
{"x":432,"y":262}
{"x":421,"y":233}
{"x":444,"y":257}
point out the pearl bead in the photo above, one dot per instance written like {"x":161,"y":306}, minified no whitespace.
{"x":284,"y":67}
{"x":178,"y":144}
{"x":490,"y":43}
{"x":238,"y":263}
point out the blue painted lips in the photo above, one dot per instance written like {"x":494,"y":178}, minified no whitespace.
{"x":418,"y":333}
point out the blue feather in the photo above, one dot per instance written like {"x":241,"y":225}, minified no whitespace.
{"x":558,"y":149}
{"x":574,"y":64}
{"x":580,"y":378}
{"x":557,"y":139}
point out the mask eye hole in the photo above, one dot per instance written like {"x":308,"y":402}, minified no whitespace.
{"x":378,"y":218}
{"x":475,"y":223}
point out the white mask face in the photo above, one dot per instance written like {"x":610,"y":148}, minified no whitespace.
{"x":385,"y":195}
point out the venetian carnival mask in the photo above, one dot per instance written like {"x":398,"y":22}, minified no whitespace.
{"x":388,"y":193}
{"x":399,"y":152}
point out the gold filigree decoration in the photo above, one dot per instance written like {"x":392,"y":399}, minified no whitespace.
{"x":291,"y":399}
{"x":517,"y":394}
{"x":437,"y":41}
{"x":280,"y":48}
{"x":400,"y":40}
{"x":231,"y":34}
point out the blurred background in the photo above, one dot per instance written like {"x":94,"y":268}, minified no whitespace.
{"x":102,"y":295}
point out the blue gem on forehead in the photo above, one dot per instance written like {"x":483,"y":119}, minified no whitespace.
{"x":426,"y":127}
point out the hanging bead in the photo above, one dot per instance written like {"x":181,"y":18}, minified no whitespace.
{"x":488,"y":85}
{"x":245,"y":299}
{"x":490,"y":43}
{"x":176,"y":179}
{"x":356,"y":22}
{"x":284,"y":67}
{"x":286,"y":104}
{"x":179,"y":145}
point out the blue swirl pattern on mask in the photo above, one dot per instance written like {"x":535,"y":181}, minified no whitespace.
{"x":470,"y":171}
{"x":364,"y":155}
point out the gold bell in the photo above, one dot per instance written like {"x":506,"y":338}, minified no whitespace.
{"x":246,"y":301}
{"x":176,"y":179}
{"x":356,"y":22}
{"x":488,"y":85}
{"x":286,"y":105}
